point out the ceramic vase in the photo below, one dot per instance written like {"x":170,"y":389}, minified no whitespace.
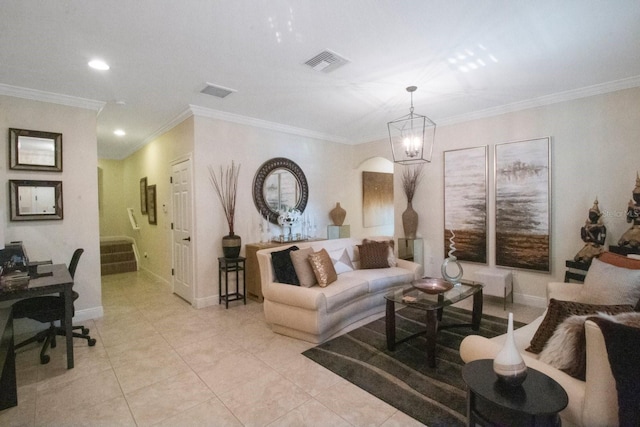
{"x":338,"y":214}
{"x":410,"y":222}
{"x":508,"y":364}
{"x":231,"y":244}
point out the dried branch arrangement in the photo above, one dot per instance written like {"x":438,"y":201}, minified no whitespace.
{"x":411,"y":176}
{"x":227,"y":188}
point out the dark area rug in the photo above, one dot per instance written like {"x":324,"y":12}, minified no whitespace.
{"x":433,"y":396}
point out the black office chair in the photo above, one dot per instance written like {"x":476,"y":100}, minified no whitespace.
{"x":50,"y":309}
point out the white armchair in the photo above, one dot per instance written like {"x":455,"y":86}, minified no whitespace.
{"x":593,"y":402}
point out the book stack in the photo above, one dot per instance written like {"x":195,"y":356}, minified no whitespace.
{"x":14,"y":279}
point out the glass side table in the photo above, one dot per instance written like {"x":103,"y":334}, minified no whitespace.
{"x":231,"y":265}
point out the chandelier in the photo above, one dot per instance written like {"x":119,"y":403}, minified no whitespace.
{"x":412,"y":136}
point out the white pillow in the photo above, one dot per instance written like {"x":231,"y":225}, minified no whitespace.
{"x":341,"y":261}
{"x":608,"y":284}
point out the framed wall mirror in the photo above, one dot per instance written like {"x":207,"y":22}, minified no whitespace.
{"x":35,"y":150}
{"x":35,"y":200}
{"x":279,"y":184}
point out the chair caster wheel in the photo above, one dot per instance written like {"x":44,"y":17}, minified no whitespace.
{"x":85,"y":331}
{"x":44,"y":359}
{"x":92,"y":342}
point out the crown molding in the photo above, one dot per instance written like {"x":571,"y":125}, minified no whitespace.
{"x":555,"y":98}
{"x":264,"y":124}
{"x":53,"y":98}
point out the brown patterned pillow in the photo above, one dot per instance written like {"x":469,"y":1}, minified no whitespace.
{"x":558,"y":311}
{"x":391,"y":257}
{"x":374,"y":255}
{"x":323,"y":267}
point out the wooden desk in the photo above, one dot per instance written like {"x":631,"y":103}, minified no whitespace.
{"x":8,"y":389}
{"x":59,"y":282}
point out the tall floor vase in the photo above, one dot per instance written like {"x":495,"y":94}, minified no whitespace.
{"x":410,"y":222}
{"x":231,"y":245}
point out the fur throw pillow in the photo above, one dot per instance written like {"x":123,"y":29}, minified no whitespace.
{"x":566,"y":349}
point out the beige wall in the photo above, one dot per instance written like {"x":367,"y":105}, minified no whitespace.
{"x":113,"y":221}
{"x":595,"y":153}
{"x":56,"y":240}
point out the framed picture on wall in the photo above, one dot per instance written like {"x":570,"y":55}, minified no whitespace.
{"x":465,"y":203}
{"x":377,"y":198}
{"x":523,"y":204}
{"x":151,"y":204}
{"x":143,"y":195}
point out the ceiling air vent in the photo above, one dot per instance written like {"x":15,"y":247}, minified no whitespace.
{"x":217,"y":91}
{"x":326,"y":61}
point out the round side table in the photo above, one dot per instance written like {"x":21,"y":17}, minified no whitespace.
{"x":536,"y":402}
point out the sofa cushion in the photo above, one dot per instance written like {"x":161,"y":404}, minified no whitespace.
{"x":620,"y":260}
{"x":344,"y":291}
{"x":341,"y":261}
{"x":560,"y":310}
{"x":300,"y":259}
{"x":608,"y":284}
{"x":283,"y":266}
{"x":374,"y":255}
{"x":381,"y":279}
{"x":323,"y":267}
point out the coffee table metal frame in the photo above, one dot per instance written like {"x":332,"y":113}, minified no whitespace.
{"x":432,"y":304}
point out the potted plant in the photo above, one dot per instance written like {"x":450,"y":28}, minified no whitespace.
{"x":411,"y":177}
{"x":226,"y":187}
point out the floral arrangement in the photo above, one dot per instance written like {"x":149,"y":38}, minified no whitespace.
{"x":411,"y":177}
{"x":227,"y":188}
{"x":288,"y":217}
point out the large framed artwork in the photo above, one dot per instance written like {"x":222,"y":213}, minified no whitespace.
{"x":523,"y":204}
{"x":143,"y":195}
{"x":465,"y":203}
{"x":377,"y":198}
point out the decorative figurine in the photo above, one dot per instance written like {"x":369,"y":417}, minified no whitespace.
{"x":593,"y":234}
{"x":454,"y":280}
{"x":631,"y":237}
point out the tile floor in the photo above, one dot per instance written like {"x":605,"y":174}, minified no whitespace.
{"x":159,"y":362}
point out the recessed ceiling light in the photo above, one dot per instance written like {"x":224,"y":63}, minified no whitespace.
{"x":119,"y":132}
{"x":98,"y":64}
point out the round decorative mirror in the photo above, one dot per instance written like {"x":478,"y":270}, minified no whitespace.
{"x":279,"y":185}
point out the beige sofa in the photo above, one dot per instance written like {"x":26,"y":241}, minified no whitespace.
{"x":316,"y":314}
{"x":593,"y":402}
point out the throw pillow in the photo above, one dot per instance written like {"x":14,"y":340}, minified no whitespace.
{"x":323,"y":267}
{"x":620,"y":260}
{"x":566,"y":349}
{"x":560,"y":310}
{"x":300,"y":260}
{"x":283,"y":266}
{"x":393,"y":262}
{"x":374,"y":255}
{"x":623,"y":349}
{"x":341,"y":261}
{"x":608,"y":284}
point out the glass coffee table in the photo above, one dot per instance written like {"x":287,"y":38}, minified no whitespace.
{"x":432,"y":304}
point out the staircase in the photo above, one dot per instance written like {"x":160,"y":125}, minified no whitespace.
{"x":117,"y":257}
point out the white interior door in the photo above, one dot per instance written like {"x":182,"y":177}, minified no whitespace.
{"x":182,"y":230}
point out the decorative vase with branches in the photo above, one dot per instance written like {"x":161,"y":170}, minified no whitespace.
{"x":411,"y":176}
{"x":226,"y":187}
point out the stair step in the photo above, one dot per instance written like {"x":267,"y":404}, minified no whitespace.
{"x":115,"y":246}
{"x":117,"y":257}
{"x":118,"y":267}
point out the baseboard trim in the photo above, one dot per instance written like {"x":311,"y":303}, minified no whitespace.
{"x":530,"y":300}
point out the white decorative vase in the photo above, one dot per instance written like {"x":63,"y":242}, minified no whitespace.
{"x":508,"y":364}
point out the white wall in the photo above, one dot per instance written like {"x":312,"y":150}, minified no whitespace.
{"x":328,"y":167}
{"x":595,"y":153}
{"x":56,"y":240}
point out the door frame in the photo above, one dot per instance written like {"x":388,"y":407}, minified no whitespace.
{"x":194,"y":285}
